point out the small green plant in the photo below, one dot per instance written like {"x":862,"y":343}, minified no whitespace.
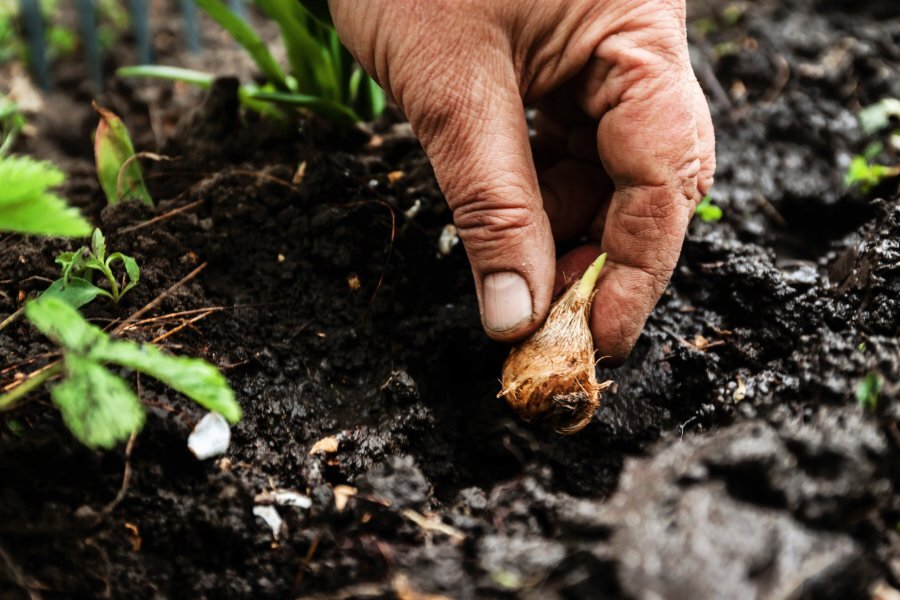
{"x":28,"y":206}
{"x":60,"y":39}
{"x":76,"y":285}
{"x":12,"y":121}
{"x":97,"y":405}
{"x":323,"y":76}
{"x":867,"y":390}
{"x":707,"y":211}
{"x":866,"y":174}
{"x":118,"y":168}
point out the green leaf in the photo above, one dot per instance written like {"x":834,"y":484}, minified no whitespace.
{"x":76,"y":292}
{"x":246,"y":37}
{"x":132,"y":270}
{"x":193,"y":377}
{"x":98,"y":244}
{"x":97,"y":406}
{"x":198,"y":78}
{"x":876,"y":117}
{"x":333,"y":110}
{"x":707,"y":211}
{"x":867,"y":391}
{"x":867,"y":175}
{"x":113,"y":152}
{"x":56,"y":319}
{"x":27,"y":207}
{"x":310,"y":60}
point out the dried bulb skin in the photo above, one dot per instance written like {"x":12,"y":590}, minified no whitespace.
{"x":551,"y":375}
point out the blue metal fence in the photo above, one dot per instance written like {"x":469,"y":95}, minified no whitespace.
{"x":34,"y":28}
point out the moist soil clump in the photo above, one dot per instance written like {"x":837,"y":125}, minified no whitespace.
{"x":729,"y":460}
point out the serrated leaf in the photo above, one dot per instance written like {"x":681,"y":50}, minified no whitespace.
{"x":26,"y":205}
{"x":76,"y":292}
{"x":112,"y":151}
{"x":193,"y":377}
{"x":97,"y":406}
{"x":56,"y":319}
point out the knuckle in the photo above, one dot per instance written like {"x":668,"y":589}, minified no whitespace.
{"x":656,"y":218}
{"x":489,"y":219}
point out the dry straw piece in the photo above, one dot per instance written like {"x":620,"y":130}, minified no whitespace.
{"x":552,"y":374}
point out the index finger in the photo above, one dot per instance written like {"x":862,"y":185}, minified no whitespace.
{"x":649,"y":140}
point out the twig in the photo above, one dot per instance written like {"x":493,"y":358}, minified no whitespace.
{"x":120,"y":179}
{"x":782,"y":76}
{"x":156,"y":301}
{"x":126,"y":476}
{"x":387,"y":260}
{"x":433,"y":524}
{"x":162,"y":217}
{"x":17,"y":390}
{"x":8,"y":320}
{"x":163,"y":336}
{"x":18,"y":576}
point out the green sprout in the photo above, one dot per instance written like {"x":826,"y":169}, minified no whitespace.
{"x":866,"y":174}
{"x":322,"y":78}
{"x":118,"y":170}
{"x":76,"y":286}
{"x":12,"y":121}
{"x":867,"y":390}
{"x":707,"y":211}
{"x":28,"y":206}
{"x":97,"y":405}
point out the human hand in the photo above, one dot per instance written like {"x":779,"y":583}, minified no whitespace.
{"x":624,"y":149}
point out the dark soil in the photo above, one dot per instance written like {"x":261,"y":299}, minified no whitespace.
{"x":731,"y":459}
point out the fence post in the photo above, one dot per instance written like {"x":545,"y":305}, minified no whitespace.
{"x":238,"y":8}
{"x":191,"y":26}
{"x":140,"y":22}
{"x":87,"y":20}
{"x":33,"y":22}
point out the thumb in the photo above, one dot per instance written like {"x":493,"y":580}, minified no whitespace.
{"x":472,"y":126}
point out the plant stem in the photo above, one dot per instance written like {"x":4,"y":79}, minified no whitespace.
{"x":589,"y":279}
{"x":113,"y":285}
{"x":5,"y":322}
{"x":9,"y":399}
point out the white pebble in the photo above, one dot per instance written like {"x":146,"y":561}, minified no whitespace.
{"x":210,"y":437}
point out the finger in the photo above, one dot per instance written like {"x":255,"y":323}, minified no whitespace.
{"x":477,"y":140}
{"x":648,"y":142}
{"x":706,"y":142}
{"x":573,"y":193}
{"x":571,"y":265}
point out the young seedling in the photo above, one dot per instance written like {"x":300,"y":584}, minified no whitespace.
{"x":322,"y":77}
{"x":97,"y":405}
{"x":12,"y":121}
{"x":552,"y":374}
{"x":707,"y":211}
{"x":867,"y":175}
{"x":28,"y":206}
{"x":118,"y":169}
{"x":76,"y":285}
{"x":867,"y":390}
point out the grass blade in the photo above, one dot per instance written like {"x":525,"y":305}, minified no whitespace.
{"x":246,"y":37}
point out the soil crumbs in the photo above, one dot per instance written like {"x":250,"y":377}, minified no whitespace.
{"x":731,"y":460}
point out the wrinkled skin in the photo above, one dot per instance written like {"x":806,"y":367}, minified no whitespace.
{"x":624,"y":148}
